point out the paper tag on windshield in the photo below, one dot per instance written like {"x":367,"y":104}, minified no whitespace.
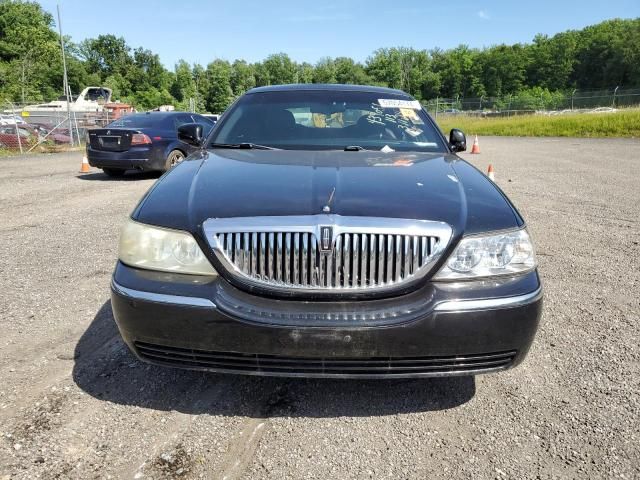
{"x":393,"y":103}
{"x":414,"y":132}
{"x":410,"y":114}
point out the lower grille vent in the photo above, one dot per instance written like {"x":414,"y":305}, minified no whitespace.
{"x":304,"y":366}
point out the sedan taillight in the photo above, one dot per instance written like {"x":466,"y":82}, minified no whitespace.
{"x":140,"y":139}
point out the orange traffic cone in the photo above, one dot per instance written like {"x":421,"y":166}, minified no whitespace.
{"x":476,"y":147}
{"x":84,"y":167}
{"x":490,"y":173}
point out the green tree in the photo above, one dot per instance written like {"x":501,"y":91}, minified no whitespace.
{"x":460,"y":72}
{"x":106,"y":55}
{"x":534,"y":75}
{"x":119,"y":85}
{"x":219,"y":94}
{"x":305,"y":73}
{"x":152,"y":97}
{"x":280,"y":68}
{"x":29,"y":51}
{"x":202,"y":86}
{"x":136,"y":76}
{"x":350,"y":72}
{"x":551,"y":60}
{"x":262,"y":75}
{"x":607,"y":55}
{"x":403,"y":68}
{"x":183,"y":86}
{"x":502,"y":69}
{"x":325,"y":71}
{"x":148,"y":71}
{"x":537,"y":98}
{"x":243,"y":77}
{"x":383,"y":66}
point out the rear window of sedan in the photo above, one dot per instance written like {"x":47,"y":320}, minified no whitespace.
{"x":137,"y":121}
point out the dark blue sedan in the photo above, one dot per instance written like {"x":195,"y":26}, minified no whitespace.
{"x":142,"y":141}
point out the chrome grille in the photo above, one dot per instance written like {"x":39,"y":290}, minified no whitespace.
{"x":364,"y":253}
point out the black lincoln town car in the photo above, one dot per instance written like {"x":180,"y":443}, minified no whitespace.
{"x":327,"y":231}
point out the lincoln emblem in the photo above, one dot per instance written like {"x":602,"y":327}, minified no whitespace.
{"x":325,"y":236}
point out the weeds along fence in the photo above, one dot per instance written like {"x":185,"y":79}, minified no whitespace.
{"x":41,"y":127}
{"x":538,"y":101}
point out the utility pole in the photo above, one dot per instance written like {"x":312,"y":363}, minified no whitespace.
{"x":65,"y":82}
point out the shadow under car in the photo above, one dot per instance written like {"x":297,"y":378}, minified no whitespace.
{"x":106,"y":369}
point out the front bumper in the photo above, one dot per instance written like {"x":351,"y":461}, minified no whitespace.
{"x":439,"y":330}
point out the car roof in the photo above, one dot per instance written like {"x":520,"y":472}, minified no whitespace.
{"x":328,"y":87}
{"x":157,"y":114}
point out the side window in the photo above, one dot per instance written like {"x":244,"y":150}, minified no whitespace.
{"x":207,"y":124}
{"x":181,"y":119}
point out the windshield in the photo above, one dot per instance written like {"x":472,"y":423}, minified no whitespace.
{"x":327,"y":120}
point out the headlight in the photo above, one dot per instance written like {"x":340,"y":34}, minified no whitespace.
{"x":156,"y":248}
{"x":488,"y":255}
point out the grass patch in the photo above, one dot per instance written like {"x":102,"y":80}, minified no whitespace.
{"x":15,"y":152}
{"x":624,"y":123}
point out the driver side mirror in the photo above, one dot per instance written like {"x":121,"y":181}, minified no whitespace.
{"x":191,"y":133}
{"x":457,"y":140}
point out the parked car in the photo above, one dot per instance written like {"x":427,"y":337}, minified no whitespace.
{"x":57,"y":136}
{"x":50,"y":127}
{"x":11,"y":120}
{"x":142,"y":141}
{"x":9,"y":136}
{"x":345,"y":248}
{"x":214,"y":117}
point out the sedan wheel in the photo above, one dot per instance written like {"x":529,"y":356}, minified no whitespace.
{"x":174,"y":158}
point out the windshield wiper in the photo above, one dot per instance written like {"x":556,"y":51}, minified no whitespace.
{"x":354,"y":148}
{"x":247,"y":146}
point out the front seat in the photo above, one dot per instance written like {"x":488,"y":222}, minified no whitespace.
{"x":367,"y":129}
{"x":279,"y":124}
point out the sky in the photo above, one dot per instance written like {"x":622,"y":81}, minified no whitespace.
{"x":201,"y":30}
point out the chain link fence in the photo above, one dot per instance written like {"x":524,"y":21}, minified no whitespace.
{"x":34,"y":126}
{"x":537,"y":102}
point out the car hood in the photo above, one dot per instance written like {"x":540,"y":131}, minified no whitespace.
{"x":246,"y":183}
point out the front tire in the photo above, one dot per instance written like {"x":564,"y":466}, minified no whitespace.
{"x":113,"y":172}
{"x":174,"y":158}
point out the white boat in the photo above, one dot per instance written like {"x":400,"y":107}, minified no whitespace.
{"x":86,"y":108}
{"x":91,"y":99}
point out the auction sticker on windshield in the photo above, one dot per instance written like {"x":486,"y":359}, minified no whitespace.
{"x":393,"y":103}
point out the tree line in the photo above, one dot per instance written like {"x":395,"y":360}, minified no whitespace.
{"x":597,"y":57}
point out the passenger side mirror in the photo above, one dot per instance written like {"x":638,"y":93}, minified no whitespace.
{"x":191,"y":133}
{"x":457,"y":140}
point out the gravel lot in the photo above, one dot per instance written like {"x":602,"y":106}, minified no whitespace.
{"x":74,"y":403}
